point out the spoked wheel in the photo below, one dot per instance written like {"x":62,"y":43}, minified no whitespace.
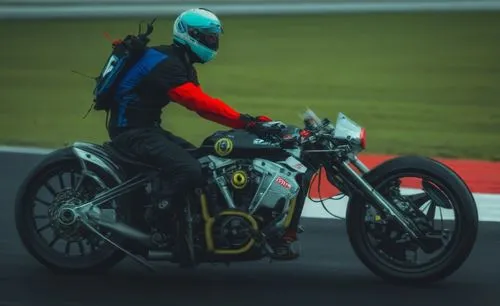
{"x":50,"y":230}
{"x":437,"y":200}
{"x":390,"y":243}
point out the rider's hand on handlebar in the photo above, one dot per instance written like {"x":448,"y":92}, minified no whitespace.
{"x":264,"y":124}
{"x":263,"y":118}
{"x":267,"y":127}
{"x":250,"y":121}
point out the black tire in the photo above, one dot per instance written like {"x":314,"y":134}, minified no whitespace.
{"x":465,"y":212}
{"x":103,"y":260}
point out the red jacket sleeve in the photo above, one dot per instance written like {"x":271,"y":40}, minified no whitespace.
{"x":193,"y":98}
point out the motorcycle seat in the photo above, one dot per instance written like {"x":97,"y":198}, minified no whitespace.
{"x":108,"y":146}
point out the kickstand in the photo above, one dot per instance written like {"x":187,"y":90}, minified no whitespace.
{"x":139,"y":260}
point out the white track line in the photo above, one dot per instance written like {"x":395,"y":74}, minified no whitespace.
{"x":25,"y":150}
{"x":488,"y":204}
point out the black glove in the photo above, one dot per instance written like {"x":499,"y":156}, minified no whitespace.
{"x":267,"y":130}
{"x":262,"y":125}
{"x":251,"y":120}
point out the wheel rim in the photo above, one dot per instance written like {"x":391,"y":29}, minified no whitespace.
{"x":394,"y":255}
{"x":52,"y":224}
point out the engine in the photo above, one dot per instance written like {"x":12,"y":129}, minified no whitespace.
{"x":259,"y":187}
{"x":277,"y":186}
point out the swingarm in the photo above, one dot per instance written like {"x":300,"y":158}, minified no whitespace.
{"x":112,"y":193}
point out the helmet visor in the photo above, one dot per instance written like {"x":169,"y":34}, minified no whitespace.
{"x":207,"y":36}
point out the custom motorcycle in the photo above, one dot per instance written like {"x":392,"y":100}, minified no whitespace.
{"x":97,"y":204}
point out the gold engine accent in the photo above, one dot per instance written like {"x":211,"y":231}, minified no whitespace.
{"x":239,"y":179}
{"x":291,"y":210}
{"x":209,"y":221}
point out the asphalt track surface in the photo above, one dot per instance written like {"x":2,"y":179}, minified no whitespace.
{"x":328,"y":273}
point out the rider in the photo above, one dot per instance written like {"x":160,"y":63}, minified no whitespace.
{"x":165,"y":74}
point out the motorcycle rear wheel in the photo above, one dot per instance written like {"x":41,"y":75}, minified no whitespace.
{"x":465,"y":211}
{"x":101,"y":257}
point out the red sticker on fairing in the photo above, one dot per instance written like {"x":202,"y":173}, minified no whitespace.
{"x":283,"y":182}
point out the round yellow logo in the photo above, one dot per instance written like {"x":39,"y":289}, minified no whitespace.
{"x":223,"y":146}
{"x":239,"y":179}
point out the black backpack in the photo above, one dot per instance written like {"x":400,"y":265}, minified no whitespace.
{"x":125,"y":54}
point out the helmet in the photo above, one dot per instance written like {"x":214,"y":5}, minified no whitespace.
{"x":198,"y":30}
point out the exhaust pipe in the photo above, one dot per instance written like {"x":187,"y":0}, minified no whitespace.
{"x":128,"y":231}
{"x":159,"y":255}
{"x":141,"y":237}
{"x":107,"y":218}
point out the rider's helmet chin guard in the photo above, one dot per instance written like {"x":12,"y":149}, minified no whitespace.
{"x":199,"y":30}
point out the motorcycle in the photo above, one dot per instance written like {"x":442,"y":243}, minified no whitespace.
{"x":256,"y":183}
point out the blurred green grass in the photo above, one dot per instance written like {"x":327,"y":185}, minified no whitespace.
{"x":420,"y":83}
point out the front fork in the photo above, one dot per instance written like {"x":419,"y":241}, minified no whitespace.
{"x":374,"y":196}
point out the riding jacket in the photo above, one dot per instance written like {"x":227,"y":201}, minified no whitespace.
{"x":163,"y":75}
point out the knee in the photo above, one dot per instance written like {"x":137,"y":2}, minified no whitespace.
{"x":192,"y":173}
{"x":194,"y":170}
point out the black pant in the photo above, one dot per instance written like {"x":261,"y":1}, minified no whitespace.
{"x":181,"y":172}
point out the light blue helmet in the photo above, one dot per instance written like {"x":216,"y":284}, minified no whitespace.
{"x":199,"y":30}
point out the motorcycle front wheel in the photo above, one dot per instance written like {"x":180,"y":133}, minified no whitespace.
{"x":386,"y":249}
